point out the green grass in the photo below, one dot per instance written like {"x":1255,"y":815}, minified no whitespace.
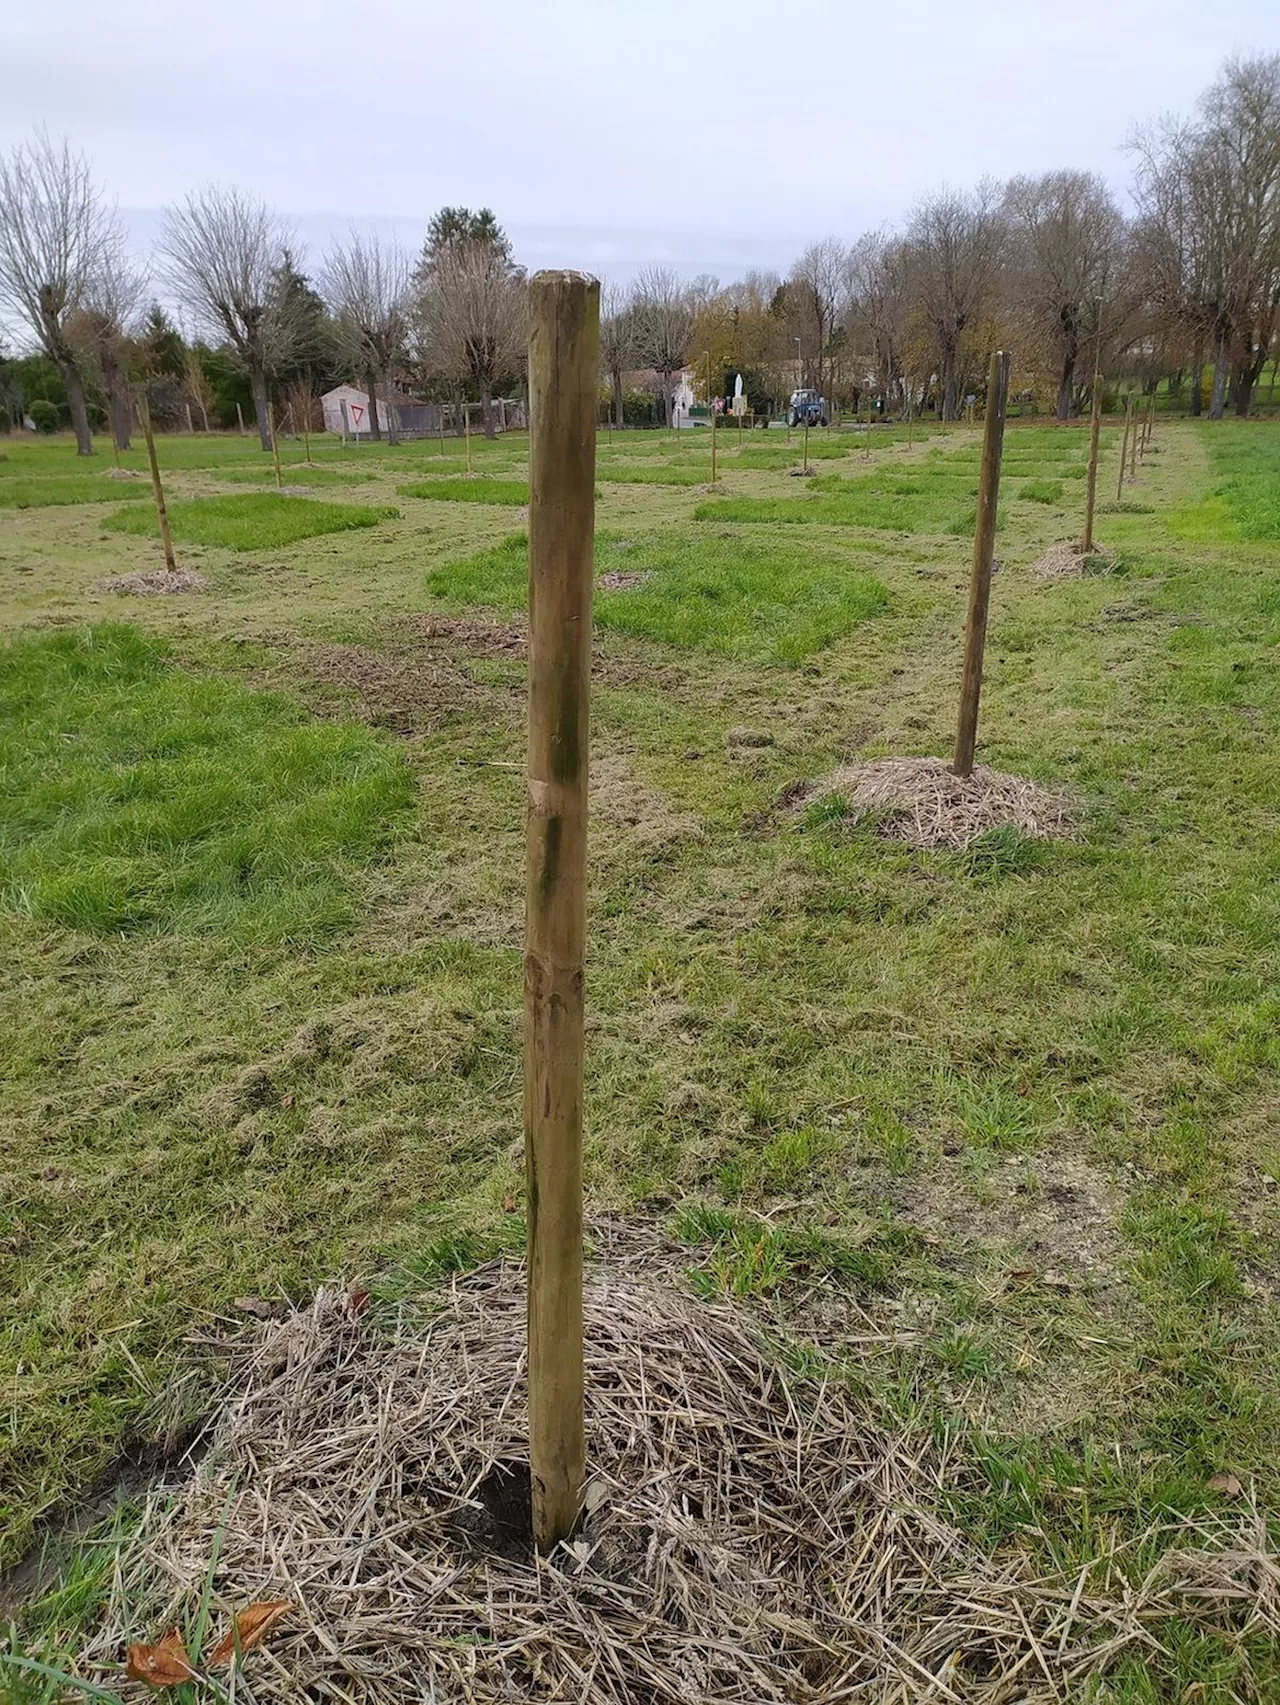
{"x":759,"y":602}
{"x":1251,"y":489}
{"x":261,"y":521}
{"x":883,"y":501}
{"x":1041,"y":491}
{"x":618,"y":473}
{"x":297,"y":474}
{"x":479,"y":490}
{"x":1013,"y":1109}
{"x":137,"y":796}
{"x":55,"y":491}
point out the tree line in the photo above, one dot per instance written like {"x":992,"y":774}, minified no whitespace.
{"x":1185,"y":288}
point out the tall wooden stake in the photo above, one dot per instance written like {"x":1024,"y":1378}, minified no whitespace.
{"x":806,"y":443}
{"x":275,"y":446}
{"x":1133,"y":447}
{"x":984,"y":540}
{"x":466,"y":430}
{"x":1091,"y":489}
{"x":240,"y":419}
{"x":1124,"y":446}
{"x":157,"y":489}
{"x":564,"y":354}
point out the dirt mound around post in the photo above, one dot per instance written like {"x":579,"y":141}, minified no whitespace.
{"x":750,"y":1533}
{"x":157,"y":583}
{"x":1066,"y":561}
{"x":921,"y":801}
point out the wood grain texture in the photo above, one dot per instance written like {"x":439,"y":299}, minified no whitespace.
{"x":564,"y":344}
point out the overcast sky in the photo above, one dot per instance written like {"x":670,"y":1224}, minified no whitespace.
{"x":605,"y":134}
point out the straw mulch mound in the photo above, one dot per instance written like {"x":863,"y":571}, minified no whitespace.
{"x":920,"y":801}
{"x":750,"y":1536}
{"x":157,"y":583}
{"x":1065,"y":561}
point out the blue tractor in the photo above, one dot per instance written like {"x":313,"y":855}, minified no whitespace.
{"x":807,"y":408}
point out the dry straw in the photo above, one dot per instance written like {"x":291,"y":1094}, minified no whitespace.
{"x":923,"y":802}
{"x":751,"y":1535}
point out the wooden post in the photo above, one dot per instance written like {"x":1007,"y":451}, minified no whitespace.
{"x":806,"y":441}
{"x":564,"y":355}
{"x":466,"y":429}
{"x":1124,"y":446}
{"x":346,"y":421}
{"x":1091,"y":488}
{"x":984,"y":539}
{"x":240,"y":418}
{"x":190,"y":422}
{"x":1133,"y":447}
{"x":157,"y":489}
{"x":275,"y":448}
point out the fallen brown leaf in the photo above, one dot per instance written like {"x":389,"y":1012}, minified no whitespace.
{"x":1226,"y":1483}
{"x":252,"y":1625}
{"x":508,"y":1203}
{"x":165,"y":1664}
{"x":357,"y":1301}
{"x":287,"y":1100}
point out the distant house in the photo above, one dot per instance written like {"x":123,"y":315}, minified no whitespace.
{"x":356,"y":421}
{"x":413,"y":419}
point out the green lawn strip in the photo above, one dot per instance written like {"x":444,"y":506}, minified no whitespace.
{"x":298,"y":474}
{"x":764,"y":603}
{"x":884,"y":501}
{"x":1040,"y":491}
{"x":257,"y":521}
{"x":137,"y":796}
{"x":514,"y":493}
{"x":57,"y":490}
{"x":617,"y":473}
{"x":1248,"y":460}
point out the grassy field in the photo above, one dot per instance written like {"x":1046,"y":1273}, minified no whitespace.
{"x":261,"y":918}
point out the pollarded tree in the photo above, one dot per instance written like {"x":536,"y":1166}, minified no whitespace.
{"x":224,"y":253}
{"x":1066,"y":252}
{"x":366,"y":284}
{"x":617,"y":345}
{"x":664,"y":313}
{"x":470,"y":319}
{"x":53,"y":235}
{"x":100,"y":331}
{"x":952,"y":251}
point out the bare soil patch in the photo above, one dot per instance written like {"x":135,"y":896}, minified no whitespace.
{"x":920,"y":801}
{"x":481,"y":636}
{"x":157,"y":583}
{"x":1054,"y":1212}
{"x":399,"y":692}
{"x":748,"y":1534}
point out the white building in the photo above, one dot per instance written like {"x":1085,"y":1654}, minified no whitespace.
{"x":357,"y":412}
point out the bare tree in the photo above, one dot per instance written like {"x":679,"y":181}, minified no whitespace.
{"x":953,"y":247}
{"x":877,"y":312}
{"x":471,"y":317}
{"x":1209,"y":192}
{"x":816,"y":292}
{"x":663,"y":311}
{"x":617,"y":345}
{"x":366,"y":285}
{"x":1067,"y":241}
{"x":53,"y":233}
{"x":223,"y":254}
{"x":99,"y":330}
